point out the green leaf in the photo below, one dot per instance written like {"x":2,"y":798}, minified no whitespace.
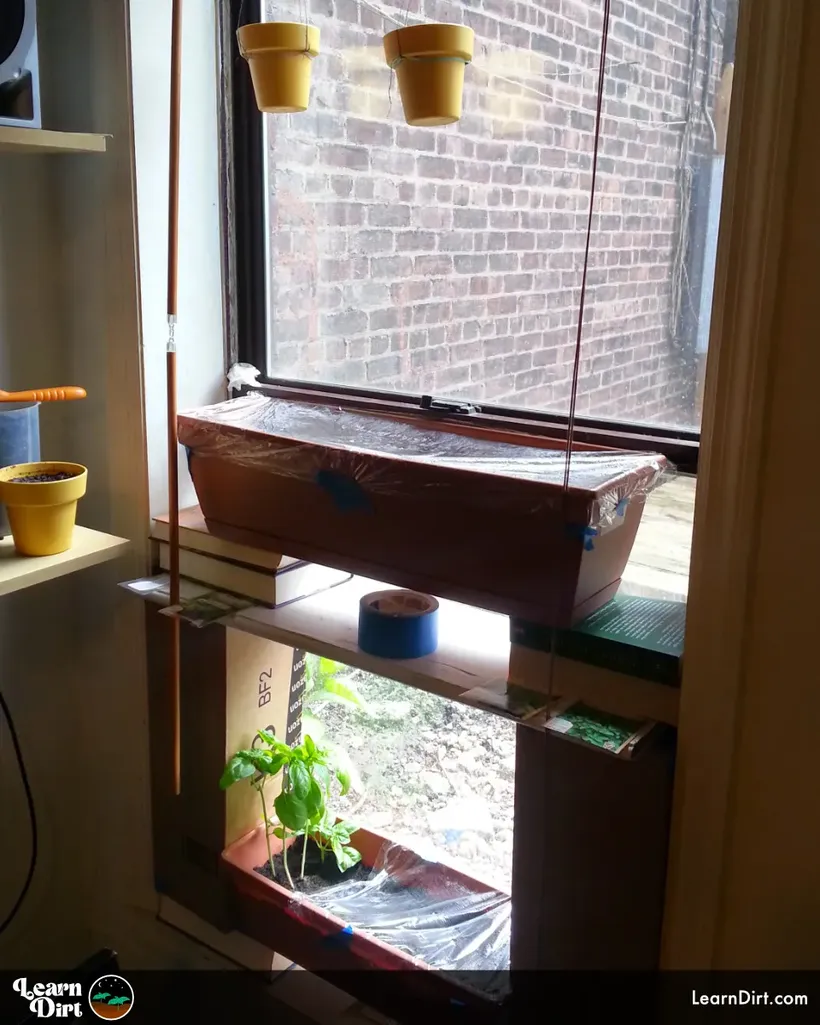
{"x":239,"y":767}
{"x":343,"y":831}
{"x":327,"y":667}
{"x":315,"y":727}
{"x":277,"y":831}
{"x":267,"y":737}
{"x":299,"y":779}
{"x":310,"y":747}
{"x":344,"y":780}
{"x":321,"y":775}
{"x":315,"y":802}
{"x":338,"y":692}
{"x":291,"y":811}
{"x":264,"y":761}
{"x":346,"y":857}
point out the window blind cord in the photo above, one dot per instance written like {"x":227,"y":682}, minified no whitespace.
{"x":32,"y":865}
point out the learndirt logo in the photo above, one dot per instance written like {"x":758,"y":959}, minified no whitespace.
{"x":110,"y":997}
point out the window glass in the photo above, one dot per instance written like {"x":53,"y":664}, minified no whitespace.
{"x":448,"y":261}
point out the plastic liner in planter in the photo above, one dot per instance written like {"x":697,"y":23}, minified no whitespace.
{"x":427,"y":911}
{"x":356,"y":452}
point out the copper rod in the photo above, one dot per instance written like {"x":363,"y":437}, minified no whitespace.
{"x":173,"y":157}
{"x":171,"y":380}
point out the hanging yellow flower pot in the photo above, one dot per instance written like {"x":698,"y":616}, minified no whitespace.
{"x":429,"y":62}
{"x":279,"y":54}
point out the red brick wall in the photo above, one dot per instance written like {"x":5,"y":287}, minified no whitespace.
{"x":449,"y":260}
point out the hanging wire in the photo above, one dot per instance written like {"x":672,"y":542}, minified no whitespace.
{"x":576,"y":366}
{"x":574,"y":393}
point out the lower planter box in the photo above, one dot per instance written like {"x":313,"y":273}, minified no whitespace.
{"x":425,"y":908}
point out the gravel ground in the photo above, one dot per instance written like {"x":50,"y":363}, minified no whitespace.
{"x":434,"y":775}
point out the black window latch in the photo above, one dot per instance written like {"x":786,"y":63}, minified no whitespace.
{"x":442,"y":406}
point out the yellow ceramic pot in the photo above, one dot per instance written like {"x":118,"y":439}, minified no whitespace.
{"x":279,"y":54}
{"x":429,"y":62}
{"x":41,"y":512}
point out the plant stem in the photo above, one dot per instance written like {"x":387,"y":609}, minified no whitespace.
{"x":285,"y":856}
{"x":304,"y":850}
{"x":267,"y":832}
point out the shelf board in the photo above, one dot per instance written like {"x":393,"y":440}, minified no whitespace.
{"x":41,"y":140}
{"x":473,"y":651}
{"x":90,"y":548}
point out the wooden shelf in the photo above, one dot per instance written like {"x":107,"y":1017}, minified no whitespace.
{"x":40,"y":140}
{"x":474,"y":645}
{"x":90,"y":548}
{"x":473,"y":650}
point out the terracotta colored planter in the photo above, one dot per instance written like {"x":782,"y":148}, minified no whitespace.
{"x":465,"y":514}
{"x":318,"y":941}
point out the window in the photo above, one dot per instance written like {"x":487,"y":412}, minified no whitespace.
{"x":375,"y":259}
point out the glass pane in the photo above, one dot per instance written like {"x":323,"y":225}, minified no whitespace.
{"x":431,"y":774}
{"x":448,"y":260}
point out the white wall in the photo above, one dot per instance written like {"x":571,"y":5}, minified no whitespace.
{"x":199,"y":330}
{"x":74,"y":650}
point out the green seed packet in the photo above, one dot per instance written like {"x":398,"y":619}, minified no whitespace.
{"x":598,"y":729}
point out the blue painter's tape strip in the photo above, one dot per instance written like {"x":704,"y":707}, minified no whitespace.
{"x":346,"y":492}
{"x":620,"y":508}
{"x":342,"y":938}
{"x":398,"y":624}
{"x":585,"y":534}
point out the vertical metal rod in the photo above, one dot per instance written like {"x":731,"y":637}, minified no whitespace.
{"x":171,"y":385}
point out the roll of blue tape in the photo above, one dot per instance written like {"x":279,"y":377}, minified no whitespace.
{"x":398,"y":624}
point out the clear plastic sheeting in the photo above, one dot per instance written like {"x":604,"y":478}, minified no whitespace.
{"x":427,"y":911}
{"x":307,"y":440}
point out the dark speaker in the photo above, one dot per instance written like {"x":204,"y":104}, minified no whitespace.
{"x":19,"y":69}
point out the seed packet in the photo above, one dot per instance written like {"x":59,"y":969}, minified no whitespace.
{"x":599,"y":729}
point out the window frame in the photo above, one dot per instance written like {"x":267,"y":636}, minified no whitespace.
{"x":244,"y":213}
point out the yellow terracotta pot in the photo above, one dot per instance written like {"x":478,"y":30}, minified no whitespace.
{"x":42,"y":513}
{"x":279,"y":54}
{"x":429,"y":62}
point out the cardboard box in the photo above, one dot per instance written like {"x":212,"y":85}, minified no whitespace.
{"x":264,"y":685}
{"x":231,"y":685}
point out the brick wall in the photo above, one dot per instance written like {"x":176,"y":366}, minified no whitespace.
{"x":449,"y":260}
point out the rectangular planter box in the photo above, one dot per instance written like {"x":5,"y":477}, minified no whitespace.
{"x":316,"y":940}
{"x":464,"y":513}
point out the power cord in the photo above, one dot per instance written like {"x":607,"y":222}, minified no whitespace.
{"x":32,"y":865}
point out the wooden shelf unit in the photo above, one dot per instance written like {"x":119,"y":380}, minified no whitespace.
{"x":41,"y":140}
{"x":90,"y":547}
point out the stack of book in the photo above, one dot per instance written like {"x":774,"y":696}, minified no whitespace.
{"x":267,"y":578}
{"x":633,"y":635}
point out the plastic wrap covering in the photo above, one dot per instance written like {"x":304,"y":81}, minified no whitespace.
{"x":370,"y":452}
{"x":426,"y":911}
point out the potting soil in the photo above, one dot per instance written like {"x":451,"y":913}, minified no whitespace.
{"x":421,"y":909}
{"x":320,"y":873}
{"x":42,"y":478}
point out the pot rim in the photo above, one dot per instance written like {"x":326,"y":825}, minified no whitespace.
{"x":41,"y":466}
{"x":283,"y":37}
{"x":431,"y":39}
